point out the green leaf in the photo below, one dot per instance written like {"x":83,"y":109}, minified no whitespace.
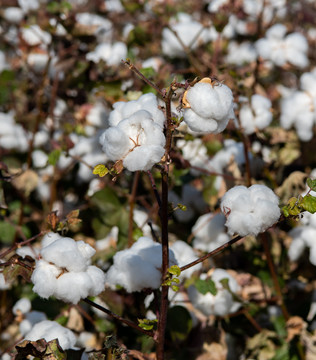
{"x":175,"y":288}
{"x":174,"y":270}
{"x":54,"y":156}
{"x":311,"y":183}
{"x":179,"y":323}
{"x":147,"y":324}
{"x":100,"y":170}
{"x":7,"y":232}
{"x":308,"y":203}
{"x":205,"y":286}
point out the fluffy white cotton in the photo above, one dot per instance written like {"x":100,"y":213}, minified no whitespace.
{"x":100,"y":26}
{"x":240,"y":54}
{"x":29,"y":5}
{"x":250,"y":210}
{"x":112,"y":54}
{"x":302,"y":237}
{"x":22,"y":306}
{"x":138,"y":267}
{"x":195,"y":152}
{"x":50,"y":330}
{"x":12,"y":135}
{"x":209,"y":232}
{"x":189,"y":31}
{"x":220,"y":304}
{"x":13,"y":14}
{"x":282,"y":49}
{"x":185,"y":254}
{"x":98,"y":115}
{"x":34,"y":35}
{"x":138,"y":141}
{"x":256,"y":115}
{"x":64,"y":270}
{"x":30,"y":319}
{"x":208,"y":107}
{"x":123,"y":110}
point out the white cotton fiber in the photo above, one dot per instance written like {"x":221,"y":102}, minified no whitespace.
{"x":250,"y":210}
{"x":22,"y":306}
{"x":50,"y":330}
{"x":138,"y":267}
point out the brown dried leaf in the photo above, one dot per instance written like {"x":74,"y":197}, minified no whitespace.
{"x":75,"y":321}
{"x":295,"y":326}
{"x":52,"y":220}
{"x":26,"y":182}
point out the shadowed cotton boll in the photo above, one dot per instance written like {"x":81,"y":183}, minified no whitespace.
{"x":50,"y":330}
{"x":250,"y":210}
{"x":138,"y":267}
{"x":220,"y":304}
{"x":112,"y":54}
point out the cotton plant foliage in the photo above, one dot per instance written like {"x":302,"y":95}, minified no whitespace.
{"x":250,"y":211}
{"x":208,"y":106}
{"x":64,"y":271}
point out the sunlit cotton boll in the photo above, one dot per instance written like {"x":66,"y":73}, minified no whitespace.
{"x":50,"y":330}
{"x":64,"y":271}
{"x":302,"y":237}
{"x":208,"y":106}
{"x":138,"y":141}
{"x":256,"y":115}
{"x":122,"y":110}
{"x":250,"y":210}
{"x":138,"y":267}
{"x":34,"y":35}
{"x":209,"y":232}
{"x":220,"y":304}
{"x":281,"y":48}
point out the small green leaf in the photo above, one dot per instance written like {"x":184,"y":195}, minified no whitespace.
{"x":174,"y":270}
{"x":100,"y":170}
{"x":311,"y":183}
{"x":54,"y":156}
{"x":285,"y":211}
{"x":205,"y":286}
{"x":176,"y":280}
{"x":175,"y":288}
{"x":225,"y":284}
{"x":182,"y":207}
{"x":147,"y":324}
{"x":309,"y":203}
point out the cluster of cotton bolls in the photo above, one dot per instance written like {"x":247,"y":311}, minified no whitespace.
{"x":64,"y":270}
{"x":298,"y":107}
{"x":135,"y":135}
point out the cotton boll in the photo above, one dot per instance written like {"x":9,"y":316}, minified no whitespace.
{"x":73,"y":286}
{"x":13,"y":14}
{"x":148,"y":102}
{"x":250,"y":210}
{"x":138,"y":267}
{"x":22,"y":306}
{"x":65,"y":253}
{"x":49,"y":238}
{"x":34,"y":35}
{"x":98,"y":115}
{"x":137,"y":140}
{"x":30,"y":320}
{"x":185,"y":255}
{"x":240,"y":54}
{"x":100,"y":26}
{"x":112,"y":54}
{"x":208,"y":106}
{"x":209,"y":232}
{"x":28,"y":5}
{"x":44,"y":278}
{"x":50,"y":330}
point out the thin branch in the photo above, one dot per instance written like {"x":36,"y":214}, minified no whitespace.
{"x":117,"y":317}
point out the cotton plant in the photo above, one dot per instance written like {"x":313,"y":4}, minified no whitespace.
{"x":209,"y":232}
{"x":298,"y":107}
{"x":250,"y":211}
{"x":255,"y":114}
{"x":281,"y":49}
{"x":64,"y":270}
{"x":208,"y":106}
{"x":219,"y":303}
{"x":138,"y":267}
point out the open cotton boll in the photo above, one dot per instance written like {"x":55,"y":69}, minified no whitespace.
{"x":138,"y":141}
{"x":250,"y":210}
{"x":302,"y":237}
{"x":208,"y":106}
{"x":139,"y":266}
{"x":220,"y":304}
{"x":50,"y":330}
{"x":30,"y":320}
{"x":13,"y":14}
{"x":100,"y":26}
{"x":22,"y":306}
{"x":240,"y":54}
{"x":34,"y":35}
{"x":280,"y":49}
{"x":257,"y":115}
{"x":44,"y":278}
{"x":209,"y":232}
{"x":122,"y":110}
{"x":185,"y":255}
{"x":112,"y":54}
{"x":188,"y":30}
